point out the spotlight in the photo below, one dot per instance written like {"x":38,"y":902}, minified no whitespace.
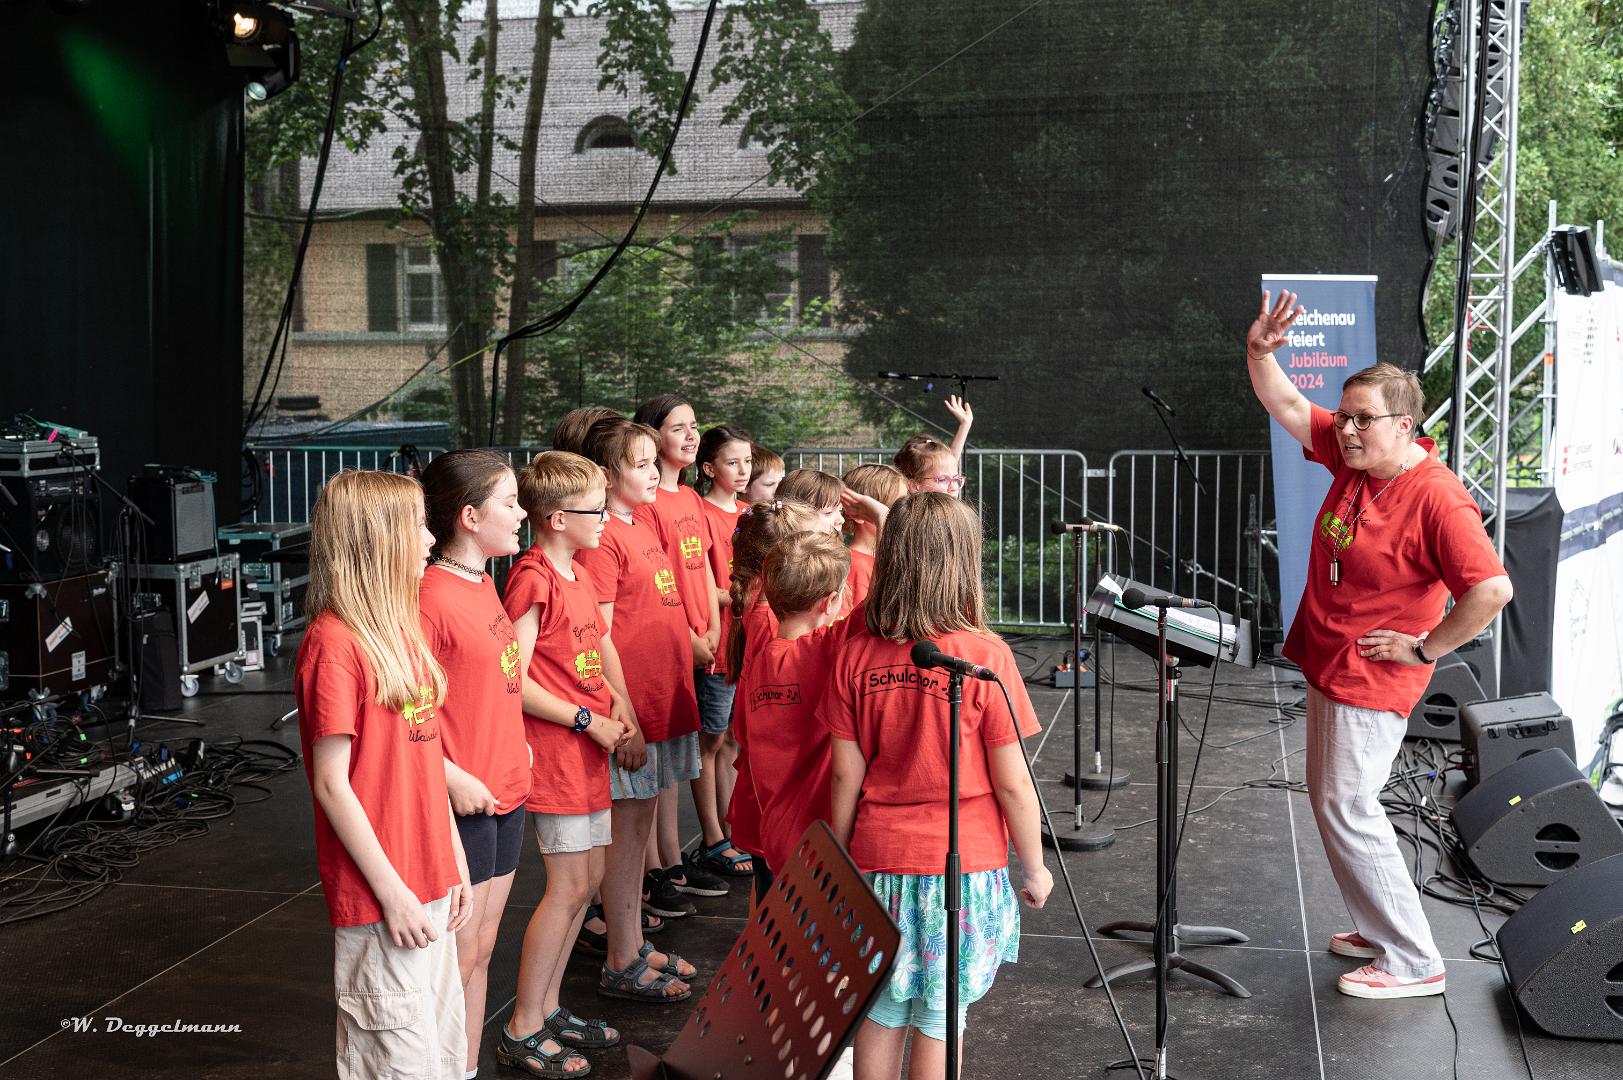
{"x":249,"y":22}
{"x":244,"y":27}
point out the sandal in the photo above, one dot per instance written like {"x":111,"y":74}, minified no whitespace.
{"x":597,"y":944}
{"x":624,"y":984}
{"x":526,"y":1054}
{"x":711,"y":858}
{"x":567,"y":1029}
{"x":673,"y":963}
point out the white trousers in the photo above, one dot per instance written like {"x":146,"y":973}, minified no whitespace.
{"x":1349,"y":757}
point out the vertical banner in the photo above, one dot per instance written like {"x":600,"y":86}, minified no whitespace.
{"x":1330,"y":340}
{"x":1586,"y":658}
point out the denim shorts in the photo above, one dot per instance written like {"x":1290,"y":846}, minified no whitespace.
{"x":715,"y":696}
{"x":669,"y":763}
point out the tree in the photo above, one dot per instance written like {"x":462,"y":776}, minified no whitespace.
{"x":772,"y":54}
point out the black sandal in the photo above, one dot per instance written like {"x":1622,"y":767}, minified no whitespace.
{"x":597,"y":944}
{"x":570,"y":1030}
{"x":526,"y":1054}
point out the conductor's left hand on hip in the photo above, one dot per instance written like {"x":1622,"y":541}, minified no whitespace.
{"x":1389,"y":645}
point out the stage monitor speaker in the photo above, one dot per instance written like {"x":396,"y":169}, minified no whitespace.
{"x":52,"y":524}
{"x":1535,"y":820}
{"x":180,"y":503}
{"x":1465,"y":675}
{"x":1563,"y":952}
{"x":1496,"y":733}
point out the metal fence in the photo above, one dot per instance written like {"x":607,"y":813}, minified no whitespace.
{"x":1212,"y":539}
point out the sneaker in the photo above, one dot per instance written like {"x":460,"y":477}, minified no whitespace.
{"x":1370,"y":981}
{"x":659,"y":897}
{"x":695,"y":880}
{"x":1353,"y":944}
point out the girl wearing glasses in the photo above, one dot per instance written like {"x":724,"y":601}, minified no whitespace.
{"x":1397,"y":535}
{"x":930,"y":464}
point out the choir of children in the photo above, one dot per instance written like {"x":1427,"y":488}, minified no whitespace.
{"x":654,"y":633}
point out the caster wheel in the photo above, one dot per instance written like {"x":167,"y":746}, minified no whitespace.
{"x":188,"y":686}
{"x":273,"y":645}
{"x":232,"y":672}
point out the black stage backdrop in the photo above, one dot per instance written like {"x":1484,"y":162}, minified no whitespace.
{"x":122,"y":200}
{"x":1082,"y":202}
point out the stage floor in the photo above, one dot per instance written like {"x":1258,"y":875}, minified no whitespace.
{"x":230,"y":928}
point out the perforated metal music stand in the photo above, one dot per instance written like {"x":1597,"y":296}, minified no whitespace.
{"x":795,"y":984}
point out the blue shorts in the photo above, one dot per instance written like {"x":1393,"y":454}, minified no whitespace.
{"x":887,"y":1012}
{"x":715,"y":696}
{"x":491,"y":843}
{"x":669,"y":763}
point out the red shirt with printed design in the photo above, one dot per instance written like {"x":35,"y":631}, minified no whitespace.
{"x":744,"y":812}
{"x":570,"y":772}
{"x":629,"y":568}
{"x":396,"y":769}
{"x":481,"y":721}
{"x":790,"y":769}
{"x":898,"y":716}
{"x":720,"y":526}
{"x":678,"y":519}
{"x":1420,"y":541}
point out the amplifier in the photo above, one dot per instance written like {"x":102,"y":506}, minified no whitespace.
{"x":180,"y":503}
{"x":1496,"y":733}
{"x":52,"y":523}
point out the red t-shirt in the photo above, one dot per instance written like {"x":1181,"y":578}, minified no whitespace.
{"x":720,"y":527}
{"x":396,"y":769}
{"x":570,"y":772}
{"x":744,"y":811}
{"x":1420,"y":541}
{"x":629,"y":569}
{"x":677,"y":518}
{"x":898,"y":715}
{"x":481,"y":721}
{"x":790,"y":770}
{"x":858,"y":581}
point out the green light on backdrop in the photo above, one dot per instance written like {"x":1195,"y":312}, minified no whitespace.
{"x":120,"y":95}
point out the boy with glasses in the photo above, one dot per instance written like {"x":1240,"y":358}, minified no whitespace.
{"x":1396,"y":536}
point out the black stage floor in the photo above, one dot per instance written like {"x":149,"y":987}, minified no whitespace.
{"x":229,"y":928}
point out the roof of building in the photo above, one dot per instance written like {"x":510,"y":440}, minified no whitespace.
{"x":711,"y":165}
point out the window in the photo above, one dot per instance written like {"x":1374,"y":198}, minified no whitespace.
{"x":782,"y":290}
{"x":425,"y":291}
{"x":758,"y":137}
{"x":805,"y":277}
{"x":606,"y":133}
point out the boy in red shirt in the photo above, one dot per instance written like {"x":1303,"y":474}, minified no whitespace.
{"x":640,"y":607}
{"x":392,"y":868}
{"x":575,"y":716}
{"x":884,"y":484}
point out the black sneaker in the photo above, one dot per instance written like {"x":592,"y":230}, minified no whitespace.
{"x":659,"y":897}
{"x":694,"y":880}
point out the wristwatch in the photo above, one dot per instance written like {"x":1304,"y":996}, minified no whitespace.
{"x":583,"y":718}
{"x":1420,"y":653}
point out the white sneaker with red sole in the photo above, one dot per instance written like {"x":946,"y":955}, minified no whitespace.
{"x":1353,"y":944}
{"x":1370,"y":981}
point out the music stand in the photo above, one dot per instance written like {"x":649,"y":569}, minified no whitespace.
{"x":1172,"y":638}
{"x":795,"y":984}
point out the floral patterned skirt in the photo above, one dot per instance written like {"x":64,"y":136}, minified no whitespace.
{"x":989,"y":933}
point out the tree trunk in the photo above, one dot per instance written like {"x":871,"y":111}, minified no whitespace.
{"x":525,"y":270}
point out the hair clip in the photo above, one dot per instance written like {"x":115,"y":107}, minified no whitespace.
{"x":777,"y":504}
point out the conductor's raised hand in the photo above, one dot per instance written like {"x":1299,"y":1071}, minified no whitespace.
{"x":1267,"y":333}
{"x":961,"y":412}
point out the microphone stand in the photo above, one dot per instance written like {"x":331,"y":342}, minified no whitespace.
{"x":1177,"y":448}
{"x":953,"y":900}
{"x":1077,"y":839}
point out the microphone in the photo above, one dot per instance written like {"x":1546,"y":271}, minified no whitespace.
{"x":1137,"y":598}
{"x":1153,"y":396}
{"x":898,"y":375}
{"x":926,"y":654}
{"x":1086,"y":525}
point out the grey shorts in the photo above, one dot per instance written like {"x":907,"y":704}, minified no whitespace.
{"x":559,"y":834}
{"x":669,"y":763}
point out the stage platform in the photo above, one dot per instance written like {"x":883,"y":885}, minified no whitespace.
{"x":230,"y":928}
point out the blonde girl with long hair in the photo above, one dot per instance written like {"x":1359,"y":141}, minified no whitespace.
{"x":392,"y":868}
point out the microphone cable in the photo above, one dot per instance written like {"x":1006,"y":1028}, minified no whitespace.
{"x":1070,"y":891}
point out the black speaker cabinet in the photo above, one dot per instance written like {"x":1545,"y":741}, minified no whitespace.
{"x":1564,"y":953}
{"x":52,"y":523}
{"x":1534,"y":820}
{"x":1496,"y":733}
{"x":180,"y":503}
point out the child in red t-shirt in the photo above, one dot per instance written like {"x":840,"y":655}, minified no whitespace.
{"x":575,"y":715}
{"x":677,"y":515}
{"x":642,"y":611}
{"x":368,"y":690}
{"x":889,"y":722}
{"x":884,"y":484}
{"x":473,"y":512}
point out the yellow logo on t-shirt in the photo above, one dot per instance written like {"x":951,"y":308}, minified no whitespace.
{"x":588,"y":668}
{"x":1338,"y":533}
{"x":419,"y":714}
{"x":510,"y":659}
{"x":665,"y":581}
{"x":691,"y":548}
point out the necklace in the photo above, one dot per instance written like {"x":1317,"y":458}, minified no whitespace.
{"x":1341,"y":534}
{"x":453,"y":564}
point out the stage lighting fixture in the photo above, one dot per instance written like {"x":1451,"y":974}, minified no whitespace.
{"x":244,"y":27}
